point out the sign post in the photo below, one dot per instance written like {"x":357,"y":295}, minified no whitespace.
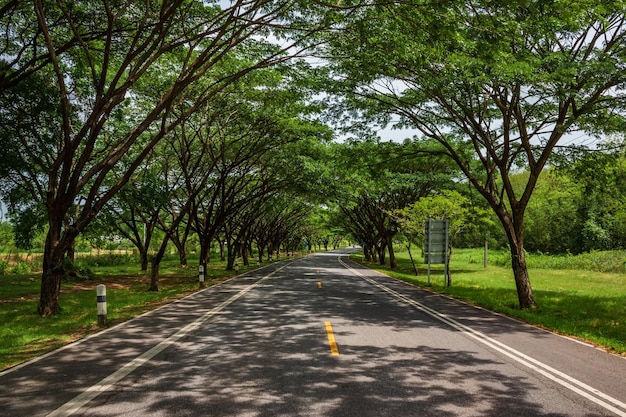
{"x":436,"y":245}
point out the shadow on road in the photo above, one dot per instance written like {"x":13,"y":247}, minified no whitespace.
{"x":267,"y":355}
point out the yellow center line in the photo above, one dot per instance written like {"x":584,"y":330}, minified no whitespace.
{"x":319,"y":284}
{"x":331,"y":340}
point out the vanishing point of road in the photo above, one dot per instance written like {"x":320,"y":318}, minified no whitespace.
{"x":319,"y":336}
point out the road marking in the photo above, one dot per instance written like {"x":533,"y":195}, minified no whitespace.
{"x":319,"y":284}
{"x":612,"y":404}
{"x":331,"y":339}
{"x":92,"y":392}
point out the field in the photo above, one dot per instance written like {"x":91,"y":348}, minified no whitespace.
{"x":24,"y":335}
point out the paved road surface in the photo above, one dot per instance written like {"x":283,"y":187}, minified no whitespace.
{"x":319,"y":336}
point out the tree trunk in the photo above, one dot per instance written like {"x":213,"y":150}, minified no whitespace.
{"x":180,"y":247}
{"x":205,"y":251}
{"x":392,"y":256}
{"x":182,"y":256}
{"x":156,"y":262}
{"x":50,"y":290}
{"x":515,"y":234}
{"x":144,"y":246}
{"x":71,"y":252}
{"x":143,"y":254}
{"x":380,"y":248}
{"x":408,"y":248}
{"x":154,"y":275}
{"x":51,"y":277}
{"x":230,"y":261}
{"x":522,"y":281}
{"x":367,"y":252}
{"x":244,"y":255}
{"x":448,"y":272}
{"x":259,"y":249}
{"x":53,"y":270}
{"x":181,"y":243}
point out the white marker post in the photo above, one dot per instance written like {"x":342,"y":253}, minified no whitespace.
{"x":201,"y":275}
{"x":101,"y":297}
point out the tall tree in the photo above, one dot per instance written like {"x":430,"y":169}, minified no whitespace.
{"x":497,"y":83}
{"x":134,"y":211}
{"x":446,"y":205}
{"x":382,"y":178}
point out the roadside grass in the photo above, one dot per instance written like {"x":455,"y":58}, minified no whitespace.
{"x":581,"y":303}
{"x":24,"y":335}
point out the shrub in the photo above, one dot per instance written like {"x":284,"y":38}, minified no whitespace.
{"x":4,"y":267}
{"x":22,"y":268}
{"x":109,"y":259}
{"x":500,"y":258}
{"x":599,"y":261}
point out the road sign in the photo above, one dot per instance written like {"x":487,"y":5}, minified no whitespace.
{"x":436,"y":244}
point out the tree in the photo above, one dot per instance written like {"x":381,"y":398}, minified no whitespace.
{"x":552,"y":220}
{"x":380,"y":179}
{"x":119,"y":70}
{"x":600,"y":212}
{"x":28,"y":128}
{"x":498,"y":86}
{"x":447,"y":204}
{"x":134,"y":211}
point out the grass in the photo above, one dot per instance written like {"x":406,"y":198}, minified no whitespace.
{"x":581,"y":303}
{"x":24,"y":335}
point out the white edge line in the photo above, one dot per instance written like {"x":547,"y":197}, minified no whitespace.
{"x":123,"y":323}
{"x":545,"y":370}
{"x":92,"y":392}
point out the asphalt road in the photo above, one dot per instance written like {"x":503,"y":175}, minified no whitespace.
{"x":319,"y":336}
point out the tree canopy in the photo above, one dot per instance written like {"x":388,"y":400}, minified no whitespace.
{"x":199,"y":118}
{"x":497,"y":85}
{"x":118,"y":77}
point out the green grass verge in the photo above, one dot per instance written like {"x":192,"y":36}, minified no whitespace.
{"x":585,"y":304}
{"x":24,"y":335}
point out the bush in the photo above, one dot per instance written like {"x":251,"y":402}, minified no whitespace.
{"x":22,"y":268}
{"x":599,"y":261}
{"x":500,"y":258}
{"x":4,"y":267}
{"x":79,"y":272}
{"x":109,"y":259}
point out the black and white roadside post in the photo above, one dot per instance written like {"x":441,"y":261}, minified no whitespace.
{"x":101,"y":298}
{"x":201,"y":275}
{"x":236,"y":266}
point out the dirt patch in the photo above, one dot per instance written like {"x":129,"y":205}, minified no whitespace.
{"x":91,"y":286}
